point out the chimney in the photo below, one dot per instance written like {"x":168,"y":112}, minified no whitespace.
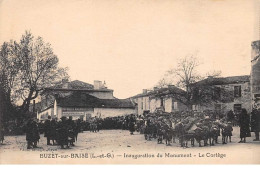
{"x":155,"y":88}
{"x":97,"y":84}
{"x":104,"y":85}
{"x":144,"y":91}
{"x":65,"y":83}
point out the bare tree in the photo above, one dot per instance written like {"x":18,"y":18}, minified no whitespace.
{"x":28,"y":67}
{"x":185,"y":73}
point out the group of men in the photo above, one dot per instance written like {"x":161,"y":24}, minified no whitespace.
{"x":193,"y":127}
{"x":63,"y":133}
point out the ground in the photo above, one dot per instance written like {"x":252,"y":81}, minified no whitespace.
{"x":118,"y":146}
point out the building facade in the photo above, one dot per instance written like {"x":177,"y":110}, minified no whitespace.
{"x":255,"y":74}
{"x":170,"y":99}
{"x":222,"y":94}
{"x":77,"y":99}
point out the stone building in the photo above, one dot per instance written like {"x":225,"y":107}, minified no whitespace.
{"x":81,"y":100}
{"x":169,"y":99}
{"x":255,"y":73}
{"x":222,"y":94}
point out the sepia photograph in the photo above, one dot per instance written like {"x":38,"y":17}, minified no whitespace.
{"x":129,"y":81}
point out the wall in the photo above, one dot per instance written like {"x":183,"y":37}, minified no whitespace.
{"x":102,"y":95}
{"x":168,"y":102}
{"x":154,"y":103}
{"x":143,"y":104}
{"x":112,"y":112}
{"x":255,"y":73}
{"x":180,"y":106}
{"x":244,"y":100}
{"x":44,"y":115}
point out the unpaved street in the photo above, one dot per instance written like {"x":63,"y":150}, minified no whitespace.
{"x":126,"y":148}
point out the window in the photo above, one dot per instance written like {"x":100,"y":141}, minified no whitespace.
{"x":237,"y":91}
{"x":175,"y":106}
{"x":162,"y":102}
{"x":237,"y":107}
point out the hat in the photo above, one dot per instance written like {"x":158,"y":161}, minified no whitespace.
{"x":63,"y":118}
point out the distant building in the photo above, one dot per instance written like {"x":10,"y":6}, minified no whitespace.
{"x":81,"y":100}
{"x":222,"y":94}
{"x":168,"y":99}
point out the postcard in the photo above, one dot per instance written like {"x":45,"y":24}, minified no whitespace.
{"x":129,"y":82}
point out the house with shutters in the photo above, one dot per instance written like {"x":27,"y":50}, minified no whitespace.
{"x":222,"y":94}
{"x":168,"y":99}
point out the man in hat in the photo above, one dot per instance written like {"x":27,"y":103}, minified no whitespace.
{"x":63,"y":132}
{"x":32,"y":133}
{"x":47,"y":129}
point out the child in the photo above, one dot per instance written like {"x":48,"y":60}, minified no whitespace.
{"x":229,"y":131}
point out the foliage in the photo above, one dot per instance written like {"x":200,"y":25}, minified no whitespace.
{"x":27,"y":67}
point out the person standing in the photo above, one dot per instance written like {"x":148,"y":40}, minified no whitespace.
{"x":29,"y":133}
{"x":47,"y":129}
{"x":53,"y":134}
{"x":32,"y":134}
{"x":36,"y":133}
{"x":131,"y":125}
{"x":63,"y":132}
{"x":255,"y":120}
{"x":231,"y":117}
{"x":2,"y":133}
{"x":72,"y":129}
{"x":244,"y":125}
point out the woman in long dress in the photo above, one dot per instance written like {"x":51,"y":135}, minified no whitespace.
{"x":244,"y":126}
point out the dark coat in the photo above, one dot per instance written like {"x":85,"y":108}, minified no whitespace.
{"x":62,"y":132}
{"x":131,"y":126}
{"x":53,"y":134}
{"x":230,"y":116}
{"x":1,"y":133}
{"x":47,"y":128}
{"x":32,"y":131}
{"x":255,"y":120}
{"x":244,"y":125}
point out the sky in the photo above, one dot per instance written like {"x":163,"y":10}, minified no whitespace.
{"x":131,"y":43}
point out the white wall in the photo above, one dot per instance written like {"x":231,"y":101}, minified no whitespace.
{"x":112,"y":112}
{"x":154,"y":103}
{"x":168,"y":105}
{"x":44,"y":115}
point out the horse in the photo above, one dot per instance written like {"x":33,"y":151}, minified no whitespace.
{"x":213,"y":135}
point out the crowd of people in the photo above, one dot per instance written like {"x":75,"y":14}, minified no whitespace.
{"x":194,"y":126}
{"x":63,"y":133}
{"x":187,"y":126}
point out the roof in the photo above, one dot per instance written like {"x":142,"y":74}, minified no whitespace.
{"x":223,"y":80}
{"x":162,"y":91}
{"x":79,"y":99}
{"x":77,"y":85}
